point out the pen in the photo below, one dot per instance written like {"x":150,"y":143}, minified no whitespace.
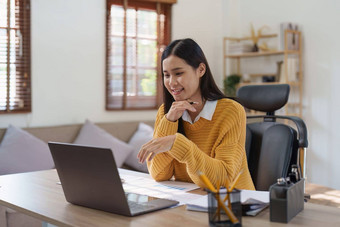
{"x":218,"y":185}
{"x":206,"y":181}
{"x":232,"y":186}
{"x":230,"y":214}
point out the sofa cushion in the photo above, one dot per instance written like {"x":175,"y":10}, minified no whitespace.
{"x":143,"y":134}
{"x":22,"y":152}
{"x":90,"y":134}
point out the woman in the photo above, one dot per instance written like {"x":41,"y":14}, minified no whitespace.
{"x":197,"y":128}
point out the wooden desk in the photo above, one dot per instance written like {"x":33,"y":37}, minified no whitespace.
{"x":37,"y":194}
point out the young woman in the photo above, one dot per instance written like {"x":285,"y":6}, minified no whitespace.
{"x":197,"y":128}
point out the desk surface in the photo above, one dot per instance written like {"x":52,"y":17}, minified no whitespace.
{"x":37,"y":194}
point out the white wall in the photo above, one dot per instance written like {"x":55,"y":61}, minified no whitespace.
{"x":320,"y":21}
{"x":202,"y":21}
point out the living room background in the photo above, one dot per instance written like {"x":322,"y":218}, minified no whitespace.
{"x":68,"y":64}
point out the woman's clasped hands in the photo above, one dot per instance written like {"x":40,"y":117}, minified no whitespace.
{"x":177,"y":108}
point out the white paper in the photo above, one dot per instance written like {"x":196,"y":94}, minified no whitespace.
{"x":142,"y":183}
{"x":262,"y":196}
{"x":145,"y":180}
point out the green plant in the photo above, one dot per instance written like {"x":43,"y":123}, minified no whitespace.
{"x":230,"y":83}
{"x":148,"y":83}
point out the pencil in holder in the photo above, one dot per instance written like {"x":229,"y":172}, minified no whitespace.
{"x":217,"y":214}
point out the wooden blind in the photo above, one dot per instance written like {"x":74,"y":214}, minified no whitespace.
{"x":137,"y":31}
{"x":15,"y":56}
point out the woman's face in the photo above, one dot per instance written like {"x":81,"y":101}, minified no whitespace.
{"x":182,"y":80}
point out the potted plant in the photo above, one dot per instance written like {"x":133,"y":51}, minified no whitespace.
{"x":230,"y":83}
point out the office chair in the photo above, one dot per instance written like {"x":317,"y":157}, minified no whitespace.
{"x":272,"y":147}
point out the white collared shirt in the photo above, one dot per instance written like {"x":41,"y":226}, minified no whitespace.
{"x":206,"y":113}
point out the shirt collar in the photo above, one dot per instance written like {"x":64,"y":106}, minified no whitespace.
{"x":207,"y":112}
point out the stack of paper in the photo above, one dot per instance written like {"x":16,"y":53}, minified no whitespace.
{"x":239,"y":47}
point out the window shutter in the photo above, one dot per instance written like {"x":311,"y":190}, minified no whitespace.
{"x":15,"y":56}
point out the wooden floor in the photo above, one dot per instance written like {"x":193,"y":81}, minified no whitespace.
{"x":323,"y":195}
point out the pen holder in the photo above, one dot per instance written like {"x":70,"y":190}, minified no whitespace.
{"x":286,"y":201}
{"x":217,"y":215}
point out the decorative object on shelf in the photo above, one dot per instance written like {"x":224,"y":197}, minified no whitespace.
{"x":230,"y":83}
{"x":255,"y":38}
{"x":292,"y":38}
{"x":279,"y":71}
{"x":264,"y":47}
{"x":268,"y":79}
{"x":246,"y":78}
{"x":255,"y":48}
{"x":291,"y":65}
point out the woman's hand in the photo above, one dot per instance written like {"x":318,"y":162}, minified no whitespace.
{"x":155,"y":146}
{"x":177,"y":108}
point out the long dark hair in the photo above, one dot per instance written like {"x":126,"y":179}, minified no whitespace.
{"x":192,"y":54}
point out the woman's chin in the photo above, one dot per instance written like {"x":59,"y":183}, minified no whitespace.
{"x":177,"y":99}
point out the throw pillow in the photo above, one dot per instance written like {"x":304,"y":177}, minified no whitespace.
{"x":143,"y":135}
{"x":23,"y":152}
{"x":92,"y":135}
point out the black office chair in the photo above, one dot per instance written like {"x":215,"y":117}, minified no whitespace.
{"x":272,"y":147}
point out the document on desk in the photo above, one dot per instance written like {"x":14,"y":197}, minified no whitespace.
{"x":142,"y":183}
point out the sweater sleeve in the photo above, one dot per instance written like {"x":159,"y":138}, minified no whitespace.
{"x":164,"y":127}
{"x":161,"y":167}
{"x":224,"y":167}
{"x":226,"y":160}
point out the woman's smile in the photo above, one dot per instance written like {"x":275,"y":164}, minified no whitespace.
{"x":177,"y":91}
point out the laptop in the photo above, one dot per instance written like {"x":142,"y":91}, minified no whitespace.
{"x":90,"y":178}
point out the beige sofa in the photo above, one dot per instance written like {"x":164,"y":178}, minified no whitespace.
{"x":66,"y":134}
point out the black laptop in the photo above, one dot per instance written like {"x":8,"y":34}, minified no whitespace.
{"x":90,"y":178}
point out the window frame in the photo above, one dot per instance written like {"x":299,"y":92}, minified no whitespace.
{"x":162,"y":40}
{"x":22,"y":62}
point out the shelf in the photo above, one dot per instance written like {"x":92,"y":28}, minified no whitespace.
{"x":262,"y":74}
{"x":234,"y":60}
{"x":249,"y":38}
{"x":264,"y":83}
{"x":257,"y":54}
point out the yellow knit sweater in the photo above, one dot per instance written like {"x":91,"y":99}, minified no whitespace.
{"x":216,"y":148}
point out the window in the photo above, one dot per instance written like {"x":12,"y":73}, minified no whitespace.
{"x":15,"y":56}
{"x":136,"y":32}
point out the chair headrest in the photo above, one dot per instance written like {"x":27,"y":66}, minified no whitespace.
{"x":265,"y":98}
